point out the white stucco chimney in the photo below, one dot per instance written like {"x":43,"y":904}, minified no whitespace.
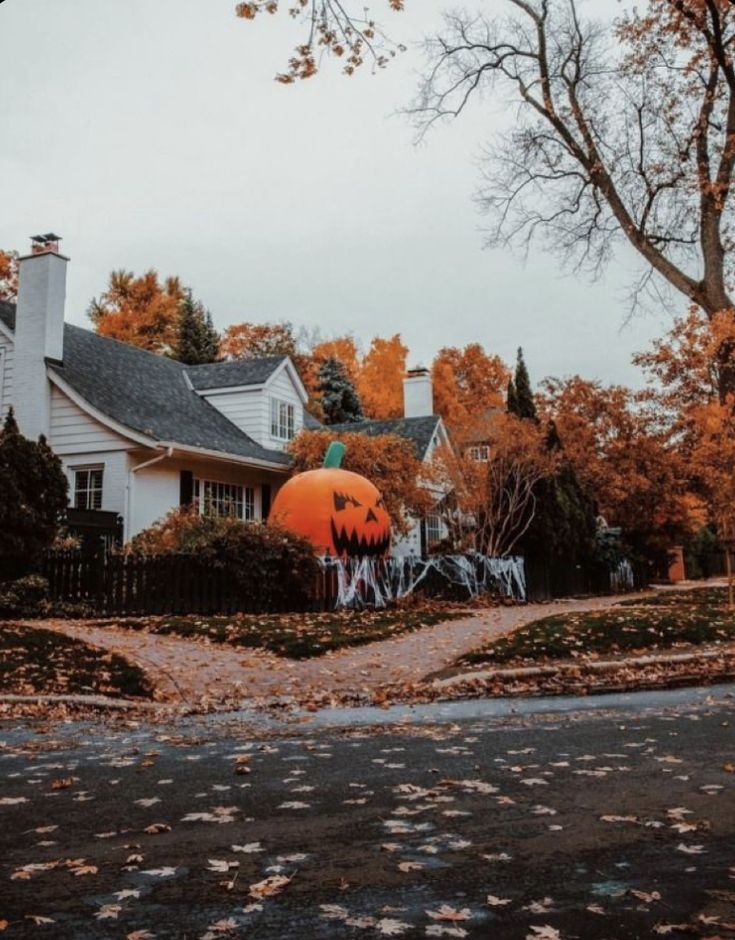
{"x":39,"y":332}
{"x":418,"y":394}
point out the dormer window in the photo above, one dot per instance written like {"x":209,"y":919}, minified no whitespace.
{"x":283,"y":419}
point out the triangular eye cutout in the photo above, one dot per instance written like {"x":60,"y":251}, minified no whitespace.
{"x":341,"y":500}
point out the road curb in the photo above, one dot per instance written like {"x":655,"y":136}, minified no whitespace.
{"x":580,"y":666}
{"x":94,"y":701}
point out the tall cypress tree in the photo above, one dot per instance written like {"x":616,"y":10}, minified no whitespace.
{"x":338,"y":396}
{"x":564,"y":523}
{"x":198,"y":341}
{"x":511,"y":399}
{"x":525,"y":404}
{"x":34,"y":495}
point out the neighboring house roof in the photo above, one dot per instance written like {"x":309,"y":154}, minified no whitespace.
{"x":7,"y":314}
{"x":311,"y":423}
{"x":232,"y":374}
{"x":147,"y":393}
{"x":419,"y":430}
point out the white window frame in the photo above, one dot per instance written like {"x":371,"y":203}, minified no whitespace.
{"x":480,"y":453}
{"x":93,"y":494}
{"x":433,"y":522}
{"x":215,"y":494}
{"x":283,"y":419}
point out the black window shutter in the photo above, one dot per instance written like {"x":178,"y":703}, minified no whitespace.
{"x":265,"y":500}
{"x":186,"y":488}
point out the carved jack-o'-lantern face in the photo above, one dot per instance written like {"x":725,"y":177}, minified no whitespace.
{"x":360,"y":524}
{"x":340,"y":512}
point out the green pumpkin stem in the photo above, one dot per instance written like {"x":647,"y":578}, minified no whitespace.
{"x":334,"y":455}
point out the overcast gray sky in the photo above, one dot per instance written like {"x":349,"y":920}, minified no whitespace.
{"x":152,"y":134}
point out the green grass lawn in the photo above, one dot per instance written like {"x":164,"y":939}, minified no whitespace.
{"x":41,"y":662}
{"x":295,"y":636}
{"x":669,"y":620}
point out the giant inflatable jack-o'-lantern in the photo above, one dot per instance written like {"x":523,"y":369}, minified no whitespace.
{"x":340,"y":512}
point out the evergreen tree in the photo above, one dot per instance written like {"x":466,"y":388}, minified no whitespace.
{"x":511,"y":398}
{"x":525,"y":404}
{"x":197,"y":340}
{"x":565,"y":521}
{"x":338,"y":397}
{"x":34,"y":495}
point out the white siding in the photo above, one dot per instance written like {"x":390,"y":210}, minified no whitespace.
{"x":155,"y":490}
{"x":244,"y":409}
{"x":281,"y":386}
{"x":6,"y":376}
{"x":73,"y":431}
{"x":114,"y":476}
{"x":250,"y":410}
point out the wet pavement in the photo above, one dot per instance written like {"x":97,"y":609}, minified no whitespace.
{"x":612,"y":817}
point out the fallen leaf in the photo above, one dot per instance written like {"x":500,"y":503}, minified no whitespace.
{"x":446,"y":912}
{"x":269,"y":886}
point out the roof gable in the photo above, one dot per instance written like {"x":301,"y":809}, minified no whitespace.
{"x":418,"y":430}
{"x":234,"y":374}
{"x":150,"y":395}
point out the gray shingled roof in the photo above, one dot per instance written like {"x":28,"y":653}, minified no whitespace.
{"x":150,"y":394}
{"x":229,"y":374}
{"x":7,"y":314}
{"x":418,"y":430}
{"x":147,"y":393}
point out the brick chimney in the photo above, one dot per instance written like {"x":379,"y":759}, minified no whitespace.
{"x":418,"y":393}
{"x":39,"y":332}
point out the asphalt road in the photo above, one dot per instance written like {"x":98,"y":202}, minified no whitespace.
{"x":510,"y":821}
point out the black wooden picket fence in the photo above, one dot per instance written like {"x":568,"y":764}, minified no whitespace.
{"x":105,"y":583}
{"x":132,"y":585}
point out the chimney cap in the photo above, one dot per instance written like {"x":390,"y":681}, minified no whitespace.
{"x":43,"y":239}
{"x":47,"y":244}
{"x":417,"y":371}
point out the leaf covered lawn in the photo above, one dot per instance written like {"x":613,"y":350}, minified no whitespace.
{"x":39,"y":662}
{"x":670,"y":620}
{"x":295,"y":636}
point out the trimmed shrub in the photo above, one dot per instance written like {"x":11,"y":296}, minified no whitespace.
{"x":29,"y":597}
{"x":264,"y":561}
{"x":34,"y":491}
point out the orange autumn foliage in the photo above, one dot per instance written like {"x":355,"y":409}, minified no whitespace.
{"x":467,"y":382}
{"x":687,"y":366}
{"x":9,"y":276}
{"x":491,"y":502}
{"x":380,"y":380}
{"x":254,"y":340}
{"x":687,"y":363}
{"x":141,"y":310}
{"x":625,"y":460}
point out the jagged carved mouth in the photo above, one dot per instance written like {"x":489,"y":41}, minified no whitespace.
{"x":360,"y":546}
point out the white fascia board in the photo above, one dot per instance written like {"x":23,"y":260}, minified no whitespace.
{"x":227,"y":458}
{"x":288,"y":366}
{"x":81,"y":402}
{"x":158,"y":445}
{"x":6,"y":331}
{"x":227,"y":389}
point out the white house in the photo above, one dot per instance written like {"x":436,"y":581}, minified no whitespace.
{"x":139,"y":434}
